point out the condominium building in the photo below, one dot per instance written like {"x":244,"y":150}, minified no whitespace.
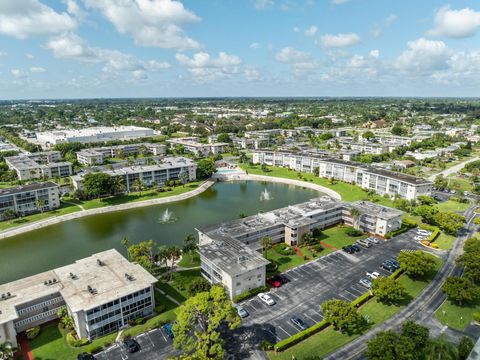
{"x":102,"y":293}
{"x":92,"y":135}
{"x":95,"y":156}
{"x":169,"y":168}
{"x":367,"y":177}
{"x":192,"y":145}
{"x":230,"y":252}
{"x":29,"y":167}
{"x":30,"y":198}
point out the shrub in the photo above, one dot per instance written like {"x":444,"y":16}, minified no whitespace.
{"x":33,"y":332}
{"x":295,"y":339}
{"x":353,"y":232}
{"x":74,"y":341}
{"x":362,"y":299}
{"x":317,"y":248}
{"x":272,"y":267}
{"x":249,"y":294}
{"x":284,"y":249}
{"x":433,"y":245}
{"x":266,"y":345}
{"x":476,"y":316}
{"x":159,"y":308}
{"x":198,"y":285}
{"x":406,"y":225}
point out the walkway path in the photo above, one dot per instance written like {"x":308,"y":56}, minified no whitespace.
{"x":453,"y":169}
{"x":25,"y":347}
{"x":132,"y":205}
{"x":167,"y":296}
{"x":72,"y":203}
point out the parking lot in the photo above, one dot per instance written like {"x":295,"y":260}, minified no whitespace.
{"x":154,"y":345}
{"x":334,"y":276}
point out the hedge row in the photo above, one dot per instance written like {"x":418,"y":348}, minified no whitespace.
{"x":406,"y":225}
{"x":302,"y":335}
{"x":435,"y":231}
{"x":249,"y":293}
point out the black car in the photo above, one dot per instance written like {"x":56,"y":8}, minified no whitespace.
{"x":356,"y":248}
{"x":299,"y":322}
{"x":131,"y":345}
{"x":348,"y":249}
{"x":388,"y":266}
{"x":86,"y":356}
{"x":394,"y":262}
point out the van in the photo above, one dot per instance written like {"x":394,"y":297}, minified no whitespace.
{"x":364,"y":243}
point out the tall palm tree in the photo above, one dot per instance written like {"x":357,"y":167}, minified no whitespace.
{"x":441,"y":349}
{"x":174,"y":254}
{"x":355,"y":214}
{"x":126,"y":242}
{"x":139,"y":185}
{"x":40,"y":204}
{"x":266,"y":243}
{"x":6,"y":351}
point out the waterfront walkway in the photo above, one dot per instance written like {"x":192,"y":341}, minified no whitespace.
{"x":79,"y":214}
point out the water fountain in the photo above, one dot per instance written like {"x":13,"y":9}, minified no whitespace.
{"x":265,"y":195}
{"x":166,"y":217}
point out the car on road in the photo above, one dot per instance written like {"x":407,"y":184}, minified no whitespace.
{"x":365,"y":282}
{"x":373,"y":240}
{"x":373,"y":275}
{"x":168,"y":328}
{"x":348,"y":249}
{"x":355,"y":247}
{"x":241,"y":311}
{"x":299,"y":322}
{"x":131,"y":345}
{"x":86,"y":356}
{"x":364,"y":243}
{"x":266,"y":299}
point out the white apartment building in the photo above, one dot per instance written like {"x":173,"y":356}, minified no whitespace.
{"x":192,"y":145}
{"x":96,"y":156}
{"x":25,"y":199}
{"x":169,"y":169}
{"x":101,"y":293}
{"x":92,"y":135}
{"x":367,"y":177}
{"x":27,"y":168}
{"x":230,"y":252}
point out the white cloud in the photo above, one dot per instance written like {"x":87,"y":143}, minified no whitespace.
{"x":29,"y":56}
{"x":423,"y":56}
{"x":154,"y":23}
{"x":37,"y":69}
{"x":336,"y":2}
{"x":390,"y":19}
{"x":339,"y":40}
{"x":74,"y":9}
{"x":296,"y":29}
{"x":262,"y":4}
{"x":155,"y":65}
{"x":299,"y":61}
{"x":17,"y":73}
{"x":253,"y":74}
{"x":206,"y":68}
{"x":374,"y":54}
{"x":255,"y":45}
{"x":25,"y":18}
{"x":311,"y":31}
{"x":3,"y":53}
{"x":455,"y":23}
{"x":376,"y":32}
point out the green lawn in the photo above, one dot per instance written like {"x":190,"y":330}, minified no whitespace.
{"x":62,"y":210}
{"x":189,"y":261}
{"x":444,"y":241}
{"x":329,"y":340}
{"x":178,"y":287}
{"x":452,"y":206}
{"x":460,"y":184}
{"x":456,"y":317}
{"x":336,"y":237}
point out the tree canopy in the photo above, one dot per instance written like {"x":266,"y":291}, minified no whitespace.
{"x":416,"y":264}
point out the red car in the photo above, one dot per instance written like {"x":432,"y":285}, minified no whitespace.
{"x":274,"y":282}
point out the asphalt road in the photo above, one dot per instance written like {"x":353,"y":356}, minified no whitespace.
{"x":423,"y":305}
{"x":453,"y":169}
{"x":334,"y":276}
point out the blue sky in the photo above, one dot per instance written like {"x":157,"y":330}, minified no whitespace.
{"x":168,"y":48}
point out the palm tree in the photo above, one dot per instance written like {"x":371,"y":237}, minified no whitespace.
{"x":266,"y":243}
{"x":6,"y":351}
{"x":139,"y":185}
{"x":118,"y":184}
{"x":40,"y":204}
{"x":67,"y":322}
{"x":183,"y":177}
{"x":355,"y":214}
{"x":126,"y":242}
{"x":163,"y":255}
{"x":8,"y":214}
{"x":189,"y":245}
{"x":174,"y":254}
{"x":440,"y":349}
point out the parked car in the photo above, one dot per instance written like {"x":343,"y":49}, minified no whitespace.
{"x":388,"y":266}
{"x":241,"y":311}
{"x":423,"y":232}
{"x":373,"y":275}
{"x":86,"y":356}
{"x":348,"y":249}
{"x":131,"y":345}
{"x":266,"y":299}
{"x":365,"y":282}
{"x":355,"y":247}
{"x":364,"y":243}
{"x":275,"y":283}
{"x":299,"y":322}
{"x":280,"y":277}
{"x":373,"y":240}
{"x":168,"y":330}
{"x":394,"y":262}
{"x":419,"y":237}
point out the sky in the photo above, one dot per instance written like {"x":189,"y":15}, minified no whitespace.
{"x":218,"y":48}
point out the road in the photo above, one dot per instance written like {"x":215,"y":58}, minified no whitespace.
{"x":453,"y":169}
{"x":422,"y":307}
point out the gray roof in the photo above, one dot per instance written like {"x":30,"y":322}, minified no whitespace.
{"x":29,"y":187}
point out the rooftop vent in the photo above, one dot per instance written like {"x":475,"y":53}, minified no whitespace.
{"x":6,"y":296}
{"x":92,"y":290}
{"x":100,"y":262}
{"x":129,"y":277}
{"x":73,"y":276}
{"x":50,"y":282}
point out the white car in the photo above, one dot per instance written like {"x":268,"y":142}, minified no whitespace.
{"x":266,"y":299}
{"x":373,"y":275}
{"x":423,"y":232}
{"x":365,"y":282}
{"x":419,"y":237}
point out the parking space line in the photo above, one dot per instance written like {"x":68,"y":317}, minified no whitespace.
{"x":276,"y":336}
{"x":284,"y":330}
{"x":164,"y":338}
{"x":314,"y":321}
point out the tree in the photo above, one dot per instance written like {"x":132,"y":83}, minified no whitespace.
{"x":174,"y":254}
{"x":198,"y":285}
{"x":243,"y":158}
{"x":427,"y":213}
{"x":142,"y":253}
{"x":470,"y":260}
{"x":163,"y":255}
{"x":118,"y":184}
{"x":8,"y":214}
{"x":416,"y":264}
{"x":418,"y":334}
{"x":205,"y":168}
{"x":40,"y":204}
{"x":199,"y":321}
{"x":126,"y":242}
{"x":460,"y":290}
{"x":368,"y":135}
{"x":449,"y":222}
{"x":388,"y":290}
{"x":440,"y":348}
{"x":224,"y":138}
{"x":341,"y":314}
{"x":308,"y":239}
{"x":266,"y":243}
{"x":465,"y":347}
{"x":399,"y":130}
{"x":183,"y":177}
{"x":440,"y":182}
{"x":6,"y":351}
{"x":139,"y":185}
{"x":388,"y":345}
{"x":355,"y":214}
{"x":190,"y":245}
{"x":98,"y":184}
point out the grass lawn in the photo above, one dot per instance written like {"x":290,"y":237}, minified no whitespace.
{"x":135,"y":196}
{"x":336,"y":237}
{"x":62,"y":210}
{"x":178,"y":287}
{"x":463,"y":184}
{"x":189,"y":261}
{"x":456,"y":317}
{"x":329,"y":340}
{"x":444,"y":241}
{"x":452,"y":206}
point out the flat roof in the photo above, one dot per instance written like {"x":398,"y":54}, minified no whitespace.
{"x":21,"y":162}
{"x":380,"y":211}
{"x":29,"y":187}
{"x":92,"y":131}
{"x":108,"y":279}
